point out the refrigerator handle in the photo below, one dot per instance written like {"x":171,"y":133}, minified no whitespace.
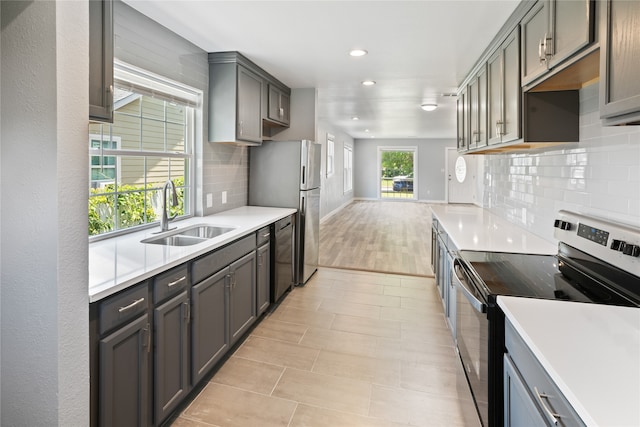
{"x":304,"y":174}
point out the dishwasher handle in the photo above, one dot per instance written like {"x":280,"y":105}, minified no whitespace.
{"x":461,"y":282}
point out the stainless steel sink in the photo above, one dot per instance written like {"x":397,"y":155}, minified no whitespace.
{"x":189,"y":236}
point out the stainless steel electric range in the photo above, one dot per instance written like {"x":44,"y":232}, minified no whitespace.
{"x":598,"y":262}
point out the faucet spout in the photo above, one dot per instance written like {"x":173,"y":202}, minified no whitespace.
{"x":165,"y":218}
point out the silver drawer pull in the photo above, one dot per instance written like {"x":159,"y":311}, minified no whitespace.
{"x":130,"y":306}
{"x":175,"y":282}
{"x":551,"y":416}
{"x":266,"y":235}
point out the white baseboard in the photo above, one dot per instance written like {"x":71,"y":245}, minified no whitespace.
{"x":335,"y":211}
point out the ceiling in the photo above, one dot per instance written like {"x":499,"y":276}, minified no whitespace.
{"x":417,"y":51}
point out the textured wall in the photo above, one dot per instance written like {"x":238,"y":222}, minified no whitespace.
{"x":44,"y":80}
{"x":142,"y":42}
{"x":599,"y":176}
{"x":332,"y":195}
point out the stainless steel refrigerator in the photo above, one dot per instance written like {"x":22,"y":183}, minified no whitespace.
{"x":286,"y":174}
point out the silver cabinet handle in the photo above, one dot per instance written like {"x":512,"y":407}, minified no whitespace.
{"x":175,"y":282}
{"x":187,"y":311}
{"x":130,"y":306}
{"x":266,"y":235}
{"x":147,"y":340}
{"x":551,"y":416}
{"x":499,"y":124}
{"x":541,"y":47}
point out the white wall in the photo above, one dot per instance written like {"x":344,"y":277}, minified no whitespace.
{"x":431,"y":158}
{"x":332,"y":195}
{"x":598,"y":176}
{"x":43,"y":246}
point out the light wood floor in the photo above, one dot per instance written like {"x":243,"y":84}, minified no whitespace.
{"x":348,"y":349}
{"x":381,"y":236}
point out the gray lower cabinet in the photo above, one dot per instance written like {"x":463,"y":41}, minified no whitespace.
{"x":101,"y":44}
{"x":263,"y":278}
{"x":209,"y":335}
{"x":620,"y":62}
{"x":519,"y":409}
{"x":242,"y":296}
{"x":171,"y":355}
{"x":121,"y":359}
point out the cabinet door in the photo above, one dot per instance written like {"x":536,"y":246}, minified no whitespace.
{"x":512,"y":94}
{"x":171,"y":355}
{"x":535,"y":32}
{"x":494,"y":102}
{"x":242,"y":295}
{"x":472,"y":94}
{"x":209,"y":338}
{"x":483,"y":97}
{"x":519,"y":407}
{"x":620,"y":60}
{"x":572,"y":28}
{"x":278,"y":105}
{"x":101,"y":60}
{"x":263,"y":277}
{"x":461,"y":105}
{"x":249,"y":106}
{"x":124,"y":375}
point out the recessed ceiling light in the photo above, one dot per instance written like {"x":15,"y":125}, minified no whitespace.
{"x":355,"y":118}
{"x":366,"y":130}
{"x":358,"y":52}
{"x":429,"y":107}
{"x":368,"y":83}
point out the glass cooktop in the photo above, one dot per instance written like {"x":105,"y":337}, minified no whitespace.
{"x":548,"y":277}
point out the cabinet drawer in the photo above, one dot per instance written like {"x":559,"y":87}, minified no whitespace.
{"x":170,"y":283}
{"x":220,"y":258}
{"x":123,"y":307}
{"x":541,"y":387}
{"x":264,"y":234}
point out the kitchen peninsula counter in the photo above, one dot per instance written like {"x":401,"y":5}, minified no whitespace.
{"x":590,"y":351}
{"x":119,"y":262}
{"x":473,"y":228}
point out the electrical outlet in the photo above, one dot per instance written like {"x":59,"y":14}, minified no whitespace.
{"x":224,"y":197}
{"x":209,"y":200}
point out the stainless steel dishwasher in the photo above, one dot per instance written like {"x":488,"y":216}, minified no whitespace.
{"x":283,"y":247}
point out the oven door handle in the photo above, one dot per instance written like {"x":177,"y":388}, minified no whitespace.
{"x":478,"y":305}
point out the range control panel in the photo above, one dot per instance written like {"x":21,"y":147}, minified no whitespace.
{"x":615,"y":243}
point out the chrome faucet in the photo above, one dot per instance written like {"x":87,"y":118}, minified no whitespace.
{"x":164,"y":220}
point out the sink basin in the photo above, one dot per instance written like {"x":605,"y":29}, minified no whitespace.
{"x":189,"y":236}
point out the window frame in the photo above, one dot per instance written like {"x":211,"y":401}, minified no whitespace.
{"x":347,"y":169}
{"x":169,"y":91}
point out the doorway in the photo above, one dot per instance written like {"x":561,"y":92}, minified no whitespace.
{"x":461,"y":177}
{"x":398,"y":172}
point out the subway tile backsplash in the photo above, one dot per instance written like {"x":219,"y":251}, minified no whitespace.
{"x":598,"y":176}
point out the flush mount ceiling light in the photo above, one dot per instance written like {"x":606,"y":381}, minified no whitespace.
{"x":358,"y":52}
{"x":429,"y":107}
{"x":368,"y":83}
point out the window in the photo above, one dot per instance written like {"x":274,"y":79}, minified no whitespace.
{"x":398,"y":169}
{"x":330,"y":154}
{"x":348,"y":168}
{"x":150,"y":142}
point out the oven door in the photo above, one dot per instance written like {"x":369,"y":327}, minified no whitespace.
{"x":472,"y":327}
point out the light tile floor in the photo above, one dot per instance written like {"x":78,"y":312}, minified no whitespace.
{"x":348,"y":349}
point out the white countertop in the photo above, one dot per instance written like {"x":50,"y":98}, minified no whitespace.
{"x":591,"y":351}
{"x":119,"y":262}
{"x":473,"y":228}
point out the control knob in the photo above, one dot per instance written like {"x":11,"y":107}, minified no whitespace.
{"x":617,"y":245}
{"x":632,"y":250}
{"x":563,"y":225}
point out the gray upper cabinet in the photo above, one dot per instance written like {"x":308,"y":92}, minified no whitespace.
{"x":504,"y":93}
{"x":477,"y":94}
{"x":552,"y":31}
{"x":619,"y":63}
{"x":235,"y":104}
{"x":101,"y":60}
{"x":244,"y":100}
{"x":463,"y":125}
{"x":279,"y":105}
